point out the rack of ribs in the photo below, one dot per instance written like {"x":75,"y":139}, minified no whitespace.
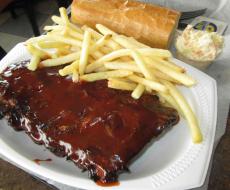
{"x":98,"y":128}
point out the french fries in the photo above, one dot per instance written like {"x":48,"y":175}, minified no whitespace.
{"x":187,"y":111}
{"x":121,"y":85}
{"x":89,"y":55}
{"x":61,"y":60}
{"x":149,"y":83}
{"x":104,"y":30}
{"x":64,"y":39}
{"x":141,"y":64}
{"x":129,"y":65}
{"x":73,"y":33}
{"x":60,"y":21}
{"x":52,"y":44}
{"x":64,"y":15}
{"x":54,"y":27}
{"x":67,"y":70}
{"x":105,"y":75}
{"x":171,"y":101}
{"x":38,"y":52}
{"x":34,"y":63}
{"x":138,"y":91}
{"x":84,"y":52}
{"x":181,"y":77}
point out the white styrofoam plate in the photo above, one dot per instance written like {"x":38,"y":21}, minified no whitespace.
{"x":171,"y":162}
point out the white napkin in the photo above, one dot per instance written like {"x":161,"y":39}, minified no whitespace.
{"x":220,"y":69}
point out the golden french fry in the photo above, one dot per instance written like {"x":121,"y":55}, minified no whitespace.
{"x":93,"y":32}
{"x":143,"y":51}
{"x":104,"y":30}
{"x":106,"y":50}
{"x":96,"y":55}
{"x":93,"y":49}
{"x":61,"y":60}
{"x":94,"y":52}
{"x":62,"y":52}
{"x":93,"y":66}
{"x":121,"y":53}
{"x":64,"y":39}
{"x":124,"y":79}
{"x":154,"y":52}
{"x":129,"y":65}
{"x":159,"y":75}
{"x":169,"y":64}
{"x":149,"y":83}
{"x":138,"y":91}
{"x":71,"y":57}
{"x":149,"y":90}
{"x":114,"y":55}
{"x":75,"y":48}
{"x":34,"y":62}
{"x":73,"y":33}
{"x":127,"y":42}
{"x":141,"y":64}
{"x":188,"y":113}
{"x":84,"y":52}
{"x":58,"y":20}
{"x":64,"y":15}
{"x":101,"y":69}
{"x":102,"y":41}
{"x":67,"y":70}
{"x":38,"y":52}
{"x":125,"y":59}
{"x":119,"y":84}
{"x":35,"y":39}
{"x":75,"y":76}
{"x":121,"y":40}
{"x":171,"y":101}
{"x":99,"y":63}
{"x":54,"y":27}
{"x":138,"y":44}
{"x":113,"y":45}
{"x":181,"y":77}
{"x":91,"y":59}
{"x":105,"y":75}
{"x":53,"y":44}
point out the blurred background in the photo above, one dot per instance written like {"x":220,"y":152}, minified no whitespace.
{"x":21,"y":19}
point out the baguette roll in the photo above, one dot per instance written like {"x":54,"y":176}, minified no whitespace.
{"x":150,"y":24}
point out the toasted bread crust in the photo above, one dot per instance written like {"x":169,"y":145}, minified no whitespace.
{"x":150,"y":24}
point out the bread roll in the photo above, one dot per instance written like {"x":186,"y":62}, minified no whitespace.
{"x":150,"y":24}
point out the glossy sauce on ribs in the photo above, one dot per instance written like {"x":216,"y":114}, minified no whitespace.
{"x":98,"y":128}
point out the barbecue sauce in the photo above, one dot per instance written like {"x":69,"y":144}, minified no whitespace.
{"x":38,"y":161}
{"x":98,"y":128}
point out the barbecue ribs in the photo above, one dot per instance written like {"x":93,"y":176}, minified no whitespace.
{"x":98,"y":128}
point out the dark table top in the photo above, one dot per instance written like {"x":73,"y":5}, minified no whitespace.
{"x":12,"y":178}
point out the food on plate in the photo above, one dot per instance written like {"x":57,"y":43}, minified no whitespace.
{"x":198,"y":48}
{"x":104,"y":54}
{"x":148,"y":23}
{"x":95,"y":96}
{"x":100,"y":129}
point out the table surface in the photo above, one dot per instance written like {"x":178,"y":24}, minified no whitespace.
{"x":12,"y":178}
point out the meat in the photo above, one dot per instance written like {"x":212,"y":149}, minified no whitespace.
{"x":98,"y":128}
